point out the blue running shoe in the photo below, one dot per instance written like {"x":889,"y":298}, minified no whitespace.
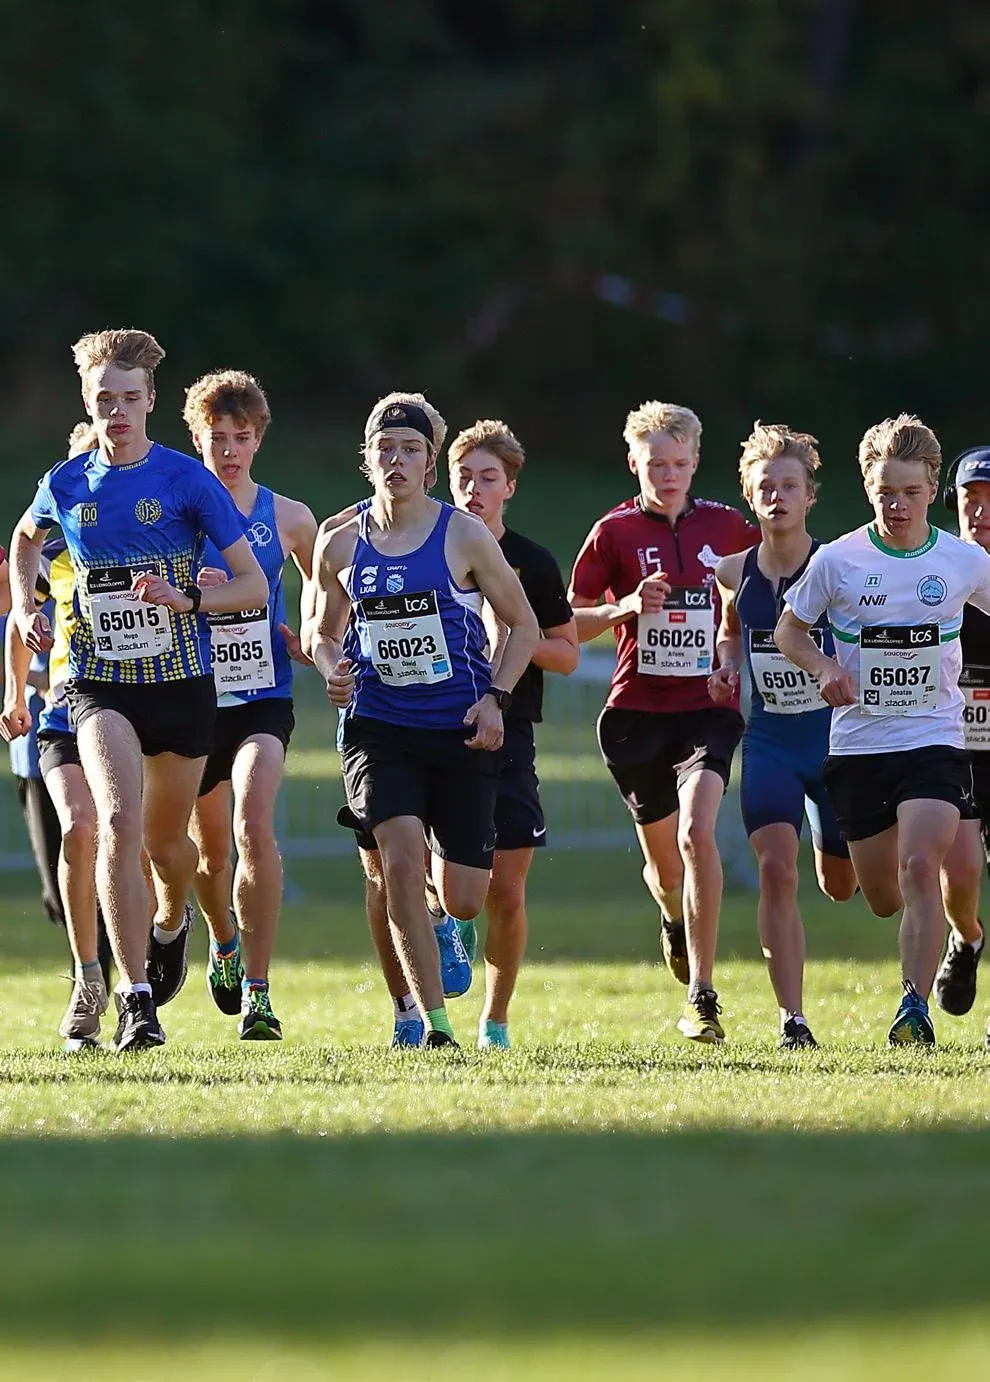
{"x":468,"y":933}
{"x":455,"y":967}
{"x":912,"y":1026}
{"x":409,"y":1031}
{"x":494,"y":1036}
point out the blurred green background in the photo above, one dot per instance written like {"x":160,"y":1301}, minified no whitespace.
{"x":532,"y":209}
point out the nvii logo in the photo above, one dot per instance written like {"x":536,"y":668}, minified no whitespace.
{"x":873,"y":599}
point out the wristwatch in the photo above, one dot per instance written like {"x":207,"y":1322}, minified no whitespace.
{"x":503,"y":699}
{"x":193,"y":593}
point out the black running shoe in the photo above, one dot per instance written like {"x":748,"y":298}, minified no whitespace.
{"x":223,"y":979}
{"x":796,"y":1035}
{"x":440,"y":1039}
{"x":138,"y":1028}
{"x":258,"y":1022}
{"x":955,"y":982}
{"x":168,"y":964}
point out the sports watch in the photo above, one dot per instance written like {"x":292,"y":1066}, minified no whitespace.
{"x":503,"y":699}
{"x":193,"y":592}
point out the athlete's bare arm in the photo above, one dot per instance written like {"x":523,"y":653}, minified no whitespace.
{"x":4,"y":587}
{"x":794,"y":640}
{"x":16,"y":718}
{"x":307,"y":599}
{"x":296,"y":521}
{"x":25,"y":559}
{"x":246,"y":589}
{"x":724,"y":681}
{"x":334,"y":551}
{"x":592,"y":618}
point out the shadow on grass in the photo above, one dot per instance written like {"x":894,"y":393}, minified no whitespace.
{"x":420,"y":1235}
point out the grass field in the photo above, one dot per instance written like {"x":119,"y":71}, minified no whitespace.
{"x":602,"y":1202}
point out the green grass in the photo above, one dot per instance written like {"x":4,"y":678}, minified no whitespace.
{"x":603,"y":1201}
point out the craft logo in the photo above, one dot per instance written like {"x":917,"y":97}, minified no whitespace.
{"x":147,"y":511}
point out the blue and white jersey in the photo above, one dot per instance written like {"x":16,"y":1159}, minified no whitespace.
{"x":785,"y":704}
{"x":416,"y":639}
{"x":250,"y":658}
{"x":119,"y":521}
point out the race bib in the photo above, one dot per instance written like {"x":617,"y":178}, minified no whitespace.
{"x":678,"y":642}
{"x":407,"y":643}
{"x":241,"y":651}
{"x":899,"y":669}
{"x":786,"y":689}
{"x":125,"y":627}
{"x":974,"y":683}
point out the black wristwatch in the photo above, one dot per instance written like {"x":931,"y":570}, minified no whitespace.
{"x":194,"y":593}
{"x":503,"y":699}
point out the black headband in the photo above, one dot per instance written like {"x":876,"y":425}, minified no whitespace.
{"x":400,"y":415}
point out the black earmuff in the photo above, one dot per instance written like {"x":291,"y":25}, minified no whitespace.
{"x":949,"y":493}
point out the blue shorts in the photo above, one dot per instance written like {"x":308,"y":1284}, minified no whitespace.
{"x":781,"y":785}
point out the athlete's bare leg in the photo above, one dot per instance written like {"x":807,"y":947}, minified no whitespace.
{"x":211,"y":829}
{"x":170,"y":786}
{"x":836,"y":875}
{"x":73,"y":802}
{"x":258,"y":768}
{"x":926,"y":830}
{"x":700,"y":798}
{"x":777,"y":914}
{"x":112,"y":763}
{"x":663,"y":869}
{"x":400,"y":843}
{"x":376,"y":904}
{"x":460,"y":888}
{"x":876,"y":864}
{"x":962,"y":874}
{"x":505,"y":936}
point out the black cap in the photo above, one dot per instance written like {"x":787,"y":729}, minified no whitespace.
{"x":975,"y":465}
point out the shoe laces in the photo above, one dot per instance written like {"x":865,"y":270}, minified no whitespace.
{"x":260,"y":1002}
{"x":226,"y":968}
{"x":87,"y":998}
{"x":707,"y":1004}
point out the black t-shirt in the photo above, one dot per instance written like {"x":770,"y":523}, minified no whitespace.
{"x":975,"y":639}
{"x":544,"y":587}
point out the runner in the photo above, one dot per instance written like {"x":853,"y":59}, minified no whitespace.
{"x":667,"y":746}
{"x":227,"y":415}
{"x":967,"y":496}
{"x":484,"y":463}
{"x":424,"y":719}
{"x":898,"y":773}
{"x":134,"y":516}
{"x":786,"y":738}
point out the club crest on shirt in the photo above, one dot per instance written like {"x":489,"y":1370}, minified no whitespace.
{"x":147,"y":511}
{"x":708,"y":558}
{"x":394,"y":582}
{"x":259,"y":534}
{"x":369,"y":575}
{"x":932,"y":590}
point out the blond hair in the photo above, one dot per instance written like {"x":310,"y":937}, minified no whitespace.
{"x":228,"y":391}
{"x":489,"y":434}
{"x":901,"y":438}
{"x":82,"y":438}
{"x":419,"y":400}
{"x":770,"y":440}
{"x":680,"y":424}
{"x":125,"y":348}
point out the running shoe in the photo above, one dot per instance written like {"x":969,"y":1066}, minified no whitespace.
{"x":912,"y":1026}
{"x":81,"y":1024}
{"x":493,"y":1036}
{"x":440,"y":1039}
{"x":455,"y":967}
{"x":223,"y":979}
{"x":796,"y":1035}
{"x":955,"y":982}
{"x":673,"y":945}
{"x":409,"y":1031}
{"x":138,"y":1027}
{"x":169,"y":964}
{"x":468,"y":933}
{"x":699,"y":1020}
{"x":258,"y":1022}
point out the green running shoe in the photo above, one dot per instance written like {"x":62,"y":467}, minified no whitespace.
{"x":912,"y":1026}
{"x":223,"y":979}
{"x":493,"y":1036}
{"x":699,"y":1020}
{"x":258,"y":1022}
{"x":469,"y":938}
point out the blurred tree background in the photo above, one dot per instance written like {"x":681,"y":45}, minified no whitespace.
{"x":544,"y":210}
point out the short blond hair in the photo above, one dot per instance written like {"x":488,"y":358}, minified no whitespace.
{"x":768,"y":441}
{"x":227,"y":391}
{"x":901,"y":438}
{"x":680,"y":424}
{"x":125,"y":348}
{"x":82,"y":439}
{"x":419,"y":400}
{"x":489,"y":434}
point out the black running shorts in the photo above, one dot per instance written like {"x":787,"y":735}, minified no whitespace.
{"x":57,"y":749}
{"x":867,"y":788}
{"x":519,"y":822}
{"x":167,"y":717}
{"x":651,"y":755}
{"x":236,"y":724}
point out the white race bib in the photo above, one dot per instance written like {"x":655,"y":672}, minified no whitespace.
{"x":679,"y":641}
{"x":899,"y":669}
{"x":786,"y":689}
{"x":407,"y":643}
{"x":125,"y":627}
{"x":241,"y":651}
{"x":974,"y":683}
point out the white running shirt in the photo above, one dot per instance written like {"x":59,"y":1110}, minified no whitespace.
{"x":906,"y":667}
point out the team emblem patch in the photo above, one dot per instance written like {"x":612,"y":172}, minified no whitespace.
{"x":147,"y":511}
{"x":707,"y":557}
{"x":394,"y":582}
{"x":932,"y":590}
{"x":259,"y":534}
{"x":369,"y":574}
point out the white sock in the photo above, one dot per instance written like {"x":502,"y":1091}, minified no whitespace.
{"x":405,"y":1008}
{"x":133,"y":988}
{"x":164,"y":937}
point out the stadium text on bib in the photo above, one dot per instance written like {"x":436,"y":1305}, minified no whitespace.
{"x":678,"y":641}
